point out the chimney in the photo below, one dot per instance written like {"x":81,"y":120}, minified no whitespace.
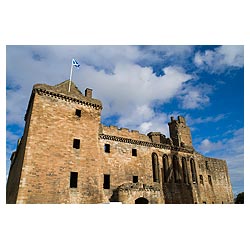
{"x":88,"y":92}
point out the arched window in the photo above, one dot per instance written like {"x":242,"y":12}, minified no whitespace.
{"x":166,"y":169}
{"x":184,"y":170}
{"x":155,"y":166}
{"x":193,"y":171}
{"x":176,"y":169}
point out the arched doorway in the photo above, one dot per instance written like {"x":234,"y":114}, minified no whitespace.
{"x":141,"y":200}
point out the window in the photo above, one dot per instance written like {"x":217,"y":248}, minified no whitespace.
{"x":193,"y":171}
{"x":201,"y":180}
{"x":155,"y":166}
{"x":73,"y":179}
{"x":204,"y":202}
{"x":209,"y":179}
{"x":135,"y":179}
{"x":134,"y":152}
{"x":107,"y":148}
{"x":207,"y":167}
{"x":76,"y":143}
{"x":184,"y":170}
{"x":106,"y":182}
{"x":176,"y":169}
{"x":78,"y":112}
{"x":166,"y":169}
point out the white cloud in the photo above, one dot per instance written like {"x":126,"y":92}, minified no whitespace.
{"x":221,"y":58}
{"x":132,"y":91}
{"x":127,"y":90}
{"x":207,"y":119}
{"x":195,"y":97}
{"x":208,"y":146}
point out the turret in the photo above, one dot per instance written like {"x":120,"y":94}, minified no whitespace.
{"x":180,"y":132}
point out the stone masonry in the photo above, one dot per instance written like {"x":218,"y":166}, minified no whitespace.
{"x":67,"y":156}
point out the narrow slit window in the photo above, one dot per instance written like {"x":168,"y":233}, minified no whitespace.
{"x":134,"y":152}
{"x":210,"y":179}
{"x":78,"y":112}
{"x":201,"y":180}
{"x":76,"y":143}
{"x":107,"y":148}
{"x":73,"y":179}
{"x":135,"y":179}
{"x":106,"y":182}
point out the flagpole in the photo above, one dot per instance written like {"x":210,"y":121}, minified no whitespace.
{"x":70,"y":76}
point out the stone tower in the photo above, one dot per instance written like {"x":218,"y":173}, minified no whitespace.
{"x":49,"y":161}
{"x":180,"y":132}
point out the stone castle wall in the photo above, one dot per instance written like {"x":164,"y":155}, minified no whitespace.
{"x":67,"y":156}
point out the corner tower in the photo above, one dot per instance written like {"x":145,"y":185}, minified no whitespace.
{"x":58,"y":158}
{"x":180,"y":132}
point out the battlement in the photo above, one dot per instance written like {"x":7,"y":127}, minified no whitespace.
{"x":180,"y":132}
{"x":124,"y":132}
{"x":70,"y":94}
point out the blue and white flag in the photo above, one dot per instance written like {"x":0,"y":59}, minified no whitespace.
{"x":75,"y":63}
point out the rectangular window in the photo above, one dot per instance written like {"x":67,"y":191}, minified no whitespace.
{"x":134,"y":152}
{"x":76,"y":143}
{"x":78,"y":112}
{"x":107,"y":148}
{"x":207,"y":167}
{"x":210,"y":179}
{"x":201,"y":179}
{"x":73,"y":179}
{"x":106,"y":182}
{"x":135,"y":179}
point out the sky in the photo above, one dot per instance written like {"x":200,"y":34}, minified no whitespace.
{"x":141,"y":87}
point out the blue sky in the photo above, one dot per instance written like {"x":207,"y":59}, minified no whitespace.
{"x":141,"y":87}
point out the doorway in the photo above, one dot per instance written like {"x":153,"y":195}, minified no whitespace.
{"x":141,"y":200}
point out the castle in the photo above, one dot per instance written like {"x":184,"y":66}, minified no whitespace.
{"x":67,"y":156}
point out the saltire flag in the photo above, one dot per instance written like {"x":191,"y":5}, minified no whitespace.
{"x":75,"y":63}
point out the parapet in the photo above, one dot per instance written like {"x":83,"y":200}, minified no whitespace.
{"x":124,"y":132}
{"x":180,"y":119}
{"x":67,"y":90}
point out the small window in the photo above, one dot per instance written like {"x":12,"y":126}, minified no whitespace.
{"x":107,"y":148}
{"x":76,"y":143}
{"x":209,"y":179}
{"x":134,"y":152}
{"x":135,"y":179}
{"x":201,"y":180}
{"x":204,"y":202}
{"x":106,"y":182}
{"x":207,"y":167}
{"x":73,"y":179}
{"x":78,"y":112}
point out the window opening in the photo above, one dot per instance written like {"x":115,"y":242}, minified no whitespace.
{"x":155,"y":166}
{"x":107,"y":148}
{"x":184,"y":169}
{"x":135,"y":179}
{"x":166,"y":169}
{"x":176,"y":169}
{"x":201,"y":180}
{"x":76,"y":143}
{"x":134,"y":152}
{"x":73,"y":179}
{"x":78,"y":112}
{"x":193,"y":171}
{"x":106,"y":183}
{"x":210,"y":179}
